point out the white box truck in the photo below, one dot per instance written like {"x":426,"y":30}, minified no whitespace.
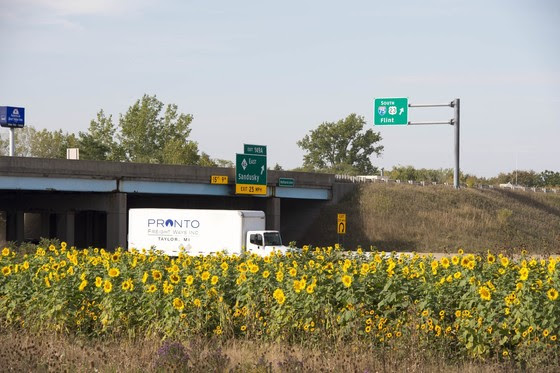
{"x":201,"y":231}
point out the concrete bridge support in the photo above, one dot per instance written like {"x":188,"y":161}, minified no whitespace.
{"x":116,"y":221}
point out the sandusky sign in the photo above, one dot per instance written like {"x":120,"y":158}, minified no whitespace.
{"x":250,"y":171}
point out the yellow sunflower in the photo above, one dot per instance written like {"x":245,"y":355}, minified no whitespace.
{"x":178,"y":304}
{"x":347,"y":280}
{"x":552,"y":294}
{"x":484,"y":293}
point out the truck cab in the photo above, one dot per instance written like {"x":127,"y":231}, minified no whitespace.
{"x":264,"y":242}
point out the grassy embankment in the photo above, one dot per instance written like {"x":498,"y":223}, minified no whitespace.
{"x":441,"y":219}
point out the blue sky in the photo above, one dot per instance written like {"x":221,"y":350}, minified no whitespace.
{"x":267,"y":73}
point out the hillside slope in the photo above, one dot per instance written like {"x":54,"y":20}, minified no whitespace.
{"x":440,"y":219}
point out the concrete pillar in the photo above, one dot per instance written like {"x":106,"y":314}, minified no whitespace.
{"x":14,"y":226}
{"x":3,"y":226}
{"x":45,"y":224}
{"x":273,"y":213}
{"x":66,"y":227}
{"x":116,"y":221}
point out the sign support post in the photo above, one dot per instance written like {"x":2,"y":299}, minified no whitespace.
{"x":379,"y":119}
{"x":12,"y":141}
{"x":456,"y":105}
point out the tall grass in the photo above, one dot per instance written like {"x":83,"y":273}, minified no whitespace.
{"x":440,"y":219}
{"x":21,"y":351}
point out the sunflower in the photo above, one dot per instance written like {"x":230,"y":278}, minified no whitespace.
{"x":5,"y":251}
{"x":552,"y":294}
{"x":504,"y":261}
{"x":189,"y":280}
{"x":152,"y":288}
{"x":156,"y":275}
{"x":98,"y":282}
{"x":279,"y":296}
{"x":523,"y":273}
{"x":347,"y":280}
{"x":174,"y":278}
{"x":254,"y":268}
{"x":205,"y":276}
{"x":178,"y":304}
{"x":114,"y":272}
{"x":197,"y":302}
{"x":107,"y":286}
{"x":214,"y":280}
{"x":6,"y":270}
{"x":127,"y":285}
{"x":83,"y":285}
{"x":484,"y":293}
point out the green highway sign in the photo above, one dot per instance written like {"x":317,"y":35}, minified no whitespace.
{"x":250,"y":169}
{"x":286,"y":182}
{"x":390,"y":111}
{"x":254,"y":149}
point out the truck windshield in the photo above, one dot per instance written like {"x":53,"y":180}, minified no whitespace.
{"x":272,"y":239}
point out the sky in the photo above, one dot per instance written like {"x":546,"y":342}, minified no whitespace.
{"x":268,"y":73}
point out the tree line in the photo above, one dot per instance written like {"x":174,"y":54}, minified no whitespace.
{"x":525,"y":178}
{"x":152,"y":132}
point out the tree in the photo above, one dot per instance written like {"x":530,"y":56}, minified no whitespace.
{"x":147,"y":136}
{"x":4,"y":144}
{"x":43,"y":144}
{"x":341,"y":147}
{"x":99,"y":143}
{"x":550,"y":178}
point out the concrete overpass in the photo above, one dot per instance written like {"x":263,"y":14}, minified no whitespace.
{"x":85,"y":203}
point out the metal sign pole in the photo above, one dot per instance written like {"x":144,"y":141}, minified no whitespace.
{"x":456,"y":122}
{"x":12,"y":141}
{"x":455,"y":104}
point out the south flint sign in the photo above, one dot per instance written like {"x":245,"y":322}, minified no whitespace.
{"x":250,"y":170}
{"x":390,"y":111}
{"x":12,"y":117}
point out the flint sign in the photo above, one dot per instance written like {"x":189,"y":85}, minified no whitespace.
{"x":390,"y":112}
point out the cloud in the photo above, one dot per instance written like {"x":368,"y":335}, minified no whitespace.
{"x":63,"y":12}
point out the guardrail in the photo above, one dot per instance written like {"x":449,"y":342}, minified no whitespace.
{"x":385,"y":179}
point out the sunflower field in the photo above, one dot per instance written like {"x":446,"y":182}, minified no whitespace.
{"x":460,"y":306}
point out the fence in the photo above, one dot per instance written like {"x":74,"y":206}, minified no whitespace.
{"x":385,"y":179}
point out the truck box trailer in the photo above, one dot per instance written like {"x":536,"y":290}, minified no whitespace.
{"x":201,"y":231}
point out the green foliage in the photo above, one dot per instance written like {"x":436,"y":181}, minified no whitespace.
{"x":147,"y":135}
{"x":441,"y":176}
{"x":148,"y":132}
{"x":529,"y":178}
{"x":550,"y":178}
{"x":4,"y":143}
{"x":98,"y":143}
{"x":503,"y":216}
{"x":31,"y":142}
{"x":341,"y":147}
